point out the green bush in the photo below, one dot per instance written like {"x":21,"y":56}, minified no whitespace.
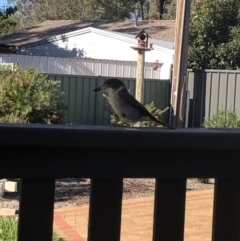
{"x":26,"y":96}
{"x":115,"y":120}
{"x":222,"y":119}
{"x":8,"y":229}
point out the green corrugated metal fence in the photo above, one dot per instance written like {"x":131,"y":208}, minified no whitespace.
{"x":90,"y":108}
{"x":211,"y":90}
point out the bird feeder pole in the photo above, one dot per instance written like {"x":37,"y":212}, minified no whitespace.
{"x":142,"y":47}
{"x":139,"y":93}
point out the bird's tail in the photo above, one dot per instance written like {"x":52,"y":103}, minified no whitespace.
{"x":160,"y":122}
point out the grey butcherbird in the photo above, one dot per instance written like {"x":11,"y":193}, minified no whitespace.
{"x":125,"y":105}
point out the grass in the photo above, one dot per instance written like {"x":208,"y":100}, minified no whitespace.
{"x":8,"y":229}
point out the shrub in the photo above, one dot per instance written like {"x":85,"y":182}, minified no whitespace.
{"x":26,"y":96}
{"x":115,"y":120}
{"x":8,"y":229}
{"x":222,"y":119}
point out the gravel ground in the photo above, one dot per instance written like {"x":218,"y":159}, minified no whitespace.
{"x":75,"y":191}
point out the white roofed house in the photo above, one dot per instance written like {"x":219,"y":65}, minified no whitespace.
{"x":91,"y":48}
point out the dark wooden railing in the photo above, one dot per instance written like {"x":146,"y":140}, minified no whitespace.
{"x":41,"y":153}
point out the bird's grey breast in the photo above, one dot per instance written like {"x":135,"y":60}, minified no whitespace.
{"x":122,"y":107}
{"x":115,"y":101}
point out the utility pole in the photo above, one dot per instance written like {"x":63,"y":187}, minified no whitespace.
{"x":179,"y":77}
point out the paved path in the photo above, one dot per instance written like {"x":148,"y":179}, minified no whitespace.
{"x":137,"y":219}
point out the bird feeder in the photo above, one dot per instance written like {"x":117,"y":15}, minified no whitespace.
{"x":142,"y":39}
{"x":142,"y":47}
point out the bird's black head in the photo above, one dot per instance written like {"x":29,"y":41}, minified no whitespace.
{"x":114,"y":84}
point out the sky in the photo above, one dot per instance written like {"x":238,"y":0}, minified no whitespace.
{"x":3,"y":2}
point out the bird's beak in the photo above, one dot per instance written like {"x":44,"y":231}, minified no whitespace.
{"x":103,"y":87}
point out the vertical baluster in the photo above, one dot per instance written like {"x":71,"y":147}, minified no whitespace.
{"x":226,"y":210}
{"x":169,"y":209}
{"x":105,"y":210}
{"x":36,"y":210}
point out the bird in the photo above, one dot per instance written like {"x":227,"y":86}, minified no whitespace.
{"x":125,"y":105}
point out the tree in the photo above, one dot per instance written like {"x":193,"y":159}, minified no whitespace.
{"x":169,"y":9}
{"x":152,"y":10}
{"x":160,"y":4}
{"x":114,"y":9}
{"x":214,"y":37}
{"x":141,"y":8}
{"x":32,"y":11}
{"x":161,"y":9}
{"x":8,"y":23}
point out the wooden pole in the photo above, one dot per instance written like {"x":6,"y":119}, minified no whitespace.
{"x":179,"y":80}
{"x":139,"y":93}
{"x":142,"y":47}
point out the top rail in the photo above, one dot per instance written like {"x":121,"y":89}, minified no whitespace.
{"x":118,"y":137}
{"x":47,"y":151}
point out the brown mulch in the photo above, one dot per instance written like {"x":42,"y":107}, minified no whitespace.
{"x":75,"y":191}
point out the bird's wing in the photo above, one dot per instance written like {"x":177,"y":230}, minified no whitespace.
{"x":130,"y":100}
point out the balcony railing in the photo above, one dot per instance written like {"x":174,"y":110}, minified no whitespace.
{"x":41,"y":153}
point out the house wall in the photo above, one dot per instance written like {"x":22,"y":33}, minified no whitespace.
{"x":83,"y":66}
{"x":97,"y":46}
